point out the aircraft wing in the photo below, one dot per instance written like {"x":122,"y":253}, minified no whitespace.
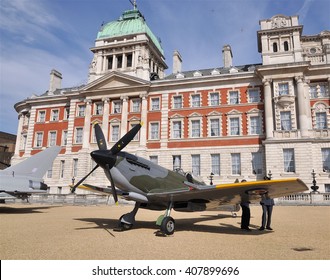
{"x":233,"y":193}
{"x":96,"y":189}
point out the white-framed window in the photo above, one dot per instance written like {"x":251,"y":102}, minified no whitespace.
{"x":234,"y":124}
{"x":236,"y":164}
{"x":177,"y":102}
{"x":319,"y":90}
{"x":234,"y":97}
{"x":214,"y":99}
{"x":136,"y":105}
{"x":137,"y":136}
{"x":176,"y":129}
{"x":41,"y":116}
{"x":195,"y":128}
{"x":323,"y":90}
{"x":23,"y":141}
{"x":155,"y":104}
{"x":39,"y":139}
{"x":325,"y":159}
{"x":215,"y":164}
{"x":98,"y":108}
{"x":54,"y":115}
{"x":64,"y":137}
{"x":257,"y":163}
{"x":79,"y":135}
{"x":50,"y":173}
{"x":62,"y":168}
{"x":154,"y":130}
{"x":253,"y":95}
{"x":283,"y":89}
{"x":215,"y":127}
{"x":81,"y":110}
{"x":176,"y":162}
{"x":321,"y":120}
{"x":115,"y":133}
{"x":116,"y":106}
{"x":196,"y":165}
{"x":313,"y":91}
{"x":52,"y":138}
{"x":75,"y":167}
{"x":286,"y":123}
{"x":153,"y":159}
{"x":255,"y":125}
{"x":289,"y":160}
{"x":195,"y":100}
{"x":66,"y":113}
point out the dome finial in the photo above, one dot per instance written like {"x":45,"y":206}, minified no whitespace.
{"x":134,"y":4}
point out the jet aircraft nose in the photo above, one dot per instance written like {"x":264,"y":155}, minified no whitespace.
{"x":103,"y":157}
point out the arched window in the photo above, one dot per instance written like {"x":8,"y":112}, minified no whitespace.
{"x":274,"y":47}
{"x":286,"y":46}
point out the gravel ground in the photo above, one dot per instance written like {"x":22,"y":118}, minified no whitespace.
{"x":52,"y":232}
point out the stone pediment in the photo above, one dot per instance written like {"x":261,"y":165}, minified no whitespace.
{"x":115,"y":81}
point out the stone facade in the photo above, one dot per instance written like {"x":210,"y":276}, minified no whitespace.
{"x":238,"y":122}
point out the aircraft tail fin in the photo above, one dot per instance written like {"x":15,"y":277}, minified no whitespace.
{"x":37,"y":165}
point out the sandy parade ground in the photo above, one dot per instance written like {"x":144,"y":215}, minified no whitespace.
{"x":44,"y":232}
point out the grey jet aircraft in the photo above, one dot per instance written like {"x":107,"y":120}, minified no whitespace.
{"x":156,"y":188}
{"x":26,"y":178}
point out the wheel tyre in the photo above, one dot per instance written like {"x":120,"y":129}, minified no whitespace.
{"x":124,"y":226}
{"x":168,"y":226}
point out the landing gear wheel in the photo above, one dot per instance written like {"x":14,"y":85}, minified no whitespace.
{"x":124,"y":226}
{"x":168,"y":225}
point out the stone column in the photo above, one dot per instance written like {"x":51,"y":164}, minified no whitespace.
{"x":308,"y":104}
{"x":268,"y":108}
{"x":19,"y":134}
{"x":143,"y":130}
{"x":87,"y":124}
{"x":303,"y":119}
{"x":124,"y":114}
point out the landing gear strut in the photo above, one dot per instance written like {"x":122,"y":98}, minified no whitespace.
{"x":166,"y":222}
{"x":127,"y":221}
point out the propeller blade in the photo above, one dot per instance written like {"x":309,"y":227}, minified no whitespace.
{"x":101,"y":142}
{"x":73,"y":189}
{"x":114,"y":192}
{"x":128,"y":137}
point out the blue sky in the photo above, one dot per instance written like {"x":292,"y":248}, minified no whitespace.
{"x":39,"y":35}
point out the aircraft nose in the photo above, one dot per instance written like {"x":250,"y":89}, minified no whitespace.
{"x":102,"y":158}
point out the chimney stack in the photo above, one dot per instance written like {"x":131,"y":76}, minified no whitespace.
{"x":227,"y":56}
{"x":55,"y":81}
{"x":177,"y":62}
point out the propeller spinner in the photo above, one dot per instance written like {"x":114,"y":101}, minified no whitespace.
{"x":107,"y":158}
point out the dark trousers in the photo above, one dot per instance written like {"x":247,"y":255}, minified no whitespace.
{"x":245,"y":222}
{"x":266,"y":215}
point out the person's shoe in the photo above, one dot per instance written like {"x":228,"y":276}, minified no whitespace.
{"x":261,"y":228}
{"x":245,"y":228}
{"x":269,"y":228}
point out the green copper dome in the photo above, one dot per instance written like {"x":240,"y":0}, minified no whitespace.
{"x":131,"y":22}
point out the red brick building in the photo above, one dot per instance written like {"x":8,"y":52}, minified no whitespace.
{"x":238,"y":122}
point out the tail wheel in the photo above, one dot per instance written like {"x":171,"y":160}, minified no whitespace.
{"x":168,"y":226}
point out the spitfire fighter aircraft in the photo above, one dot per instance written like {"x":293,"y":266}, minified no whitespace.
{"x":156,"y":188}
{"x":25,"y":178}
